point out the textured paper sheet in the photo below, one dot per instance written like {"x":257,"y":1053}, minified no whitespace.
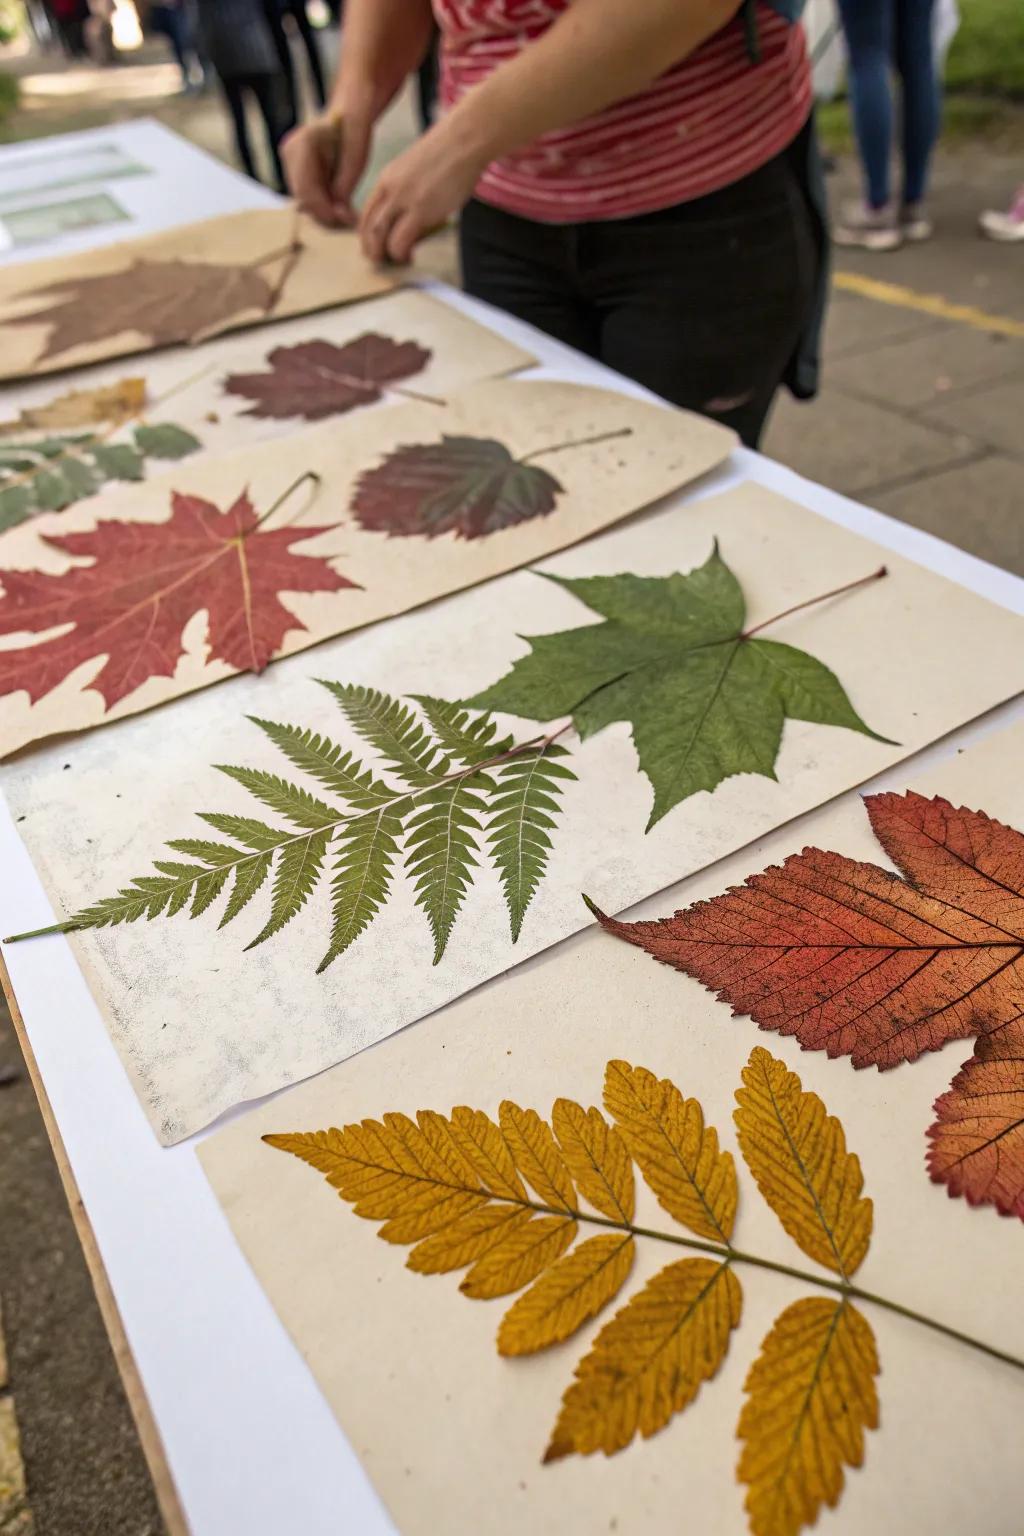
{"x":201,"y":1025}
{"x":329,"y":269}
{"x":601,"y":483}
{"x":452,"y":1436}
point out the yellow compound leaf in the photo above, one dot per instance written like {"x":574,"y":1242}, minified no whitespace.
{"x":467,"y":1239}
{"x":797,"y":1153}
{"x":810,"y":1397}
{"x":85,"y":407}
{"x":483,"y":1147}
{"x":649,"y":1362}
{"x":537,"y":1155}
{"x":520,"y":1257}
{"x":567,"y":1295}
{"x":597,"y":1158}
{"x":678,"y":1155}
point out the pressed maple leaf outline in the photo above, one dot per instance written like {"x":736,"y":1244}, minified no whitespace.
{"x":316,"y":379}
{"x":857,"y":961}
{"x":508,"y":1201}
{"x":671,"y":657}
{"x":146,"y":581}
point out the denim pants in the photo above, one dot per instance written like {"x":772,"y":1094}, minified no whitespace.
{"x":882,"y":35}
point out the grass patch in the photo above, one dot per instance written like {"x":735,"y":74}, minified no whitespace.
{"x":963,"y":118}
{"x":987,"y":54}
{"x":8,"y":96}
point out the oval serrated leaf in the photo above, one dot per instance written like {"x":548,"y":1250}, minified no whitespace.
{"x":523,"y":1254}
{"x":567,"y":1295}
{"x":597,"y":1158}
{"x":537,"y":1155}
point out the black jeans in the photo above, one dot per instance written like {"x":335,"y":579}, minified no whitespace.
{"x":273,"y":97}
{"x":704,"y":302}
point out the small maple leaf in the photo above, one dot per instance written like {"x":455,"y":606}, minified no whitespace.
{"x":316,"y":379}
{"x":164,"y":301}
{"x":147,"y":580}
{"x":857,"y":961}
{"x":705,"y":701}
{"x":469,"y":486}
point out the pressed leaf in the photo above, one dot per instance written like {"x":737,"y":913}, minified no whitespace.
{"x":363,"y":869}
{"x":521,"y":1255}
{"x":537,"y":1155}
{"x":464,"y":738}
{"x":810,"y":1397}
{"x":441,"y":849}
{"x":468,"y":486}
{"x":976,"y":1145}
{"x":671,"y":658}
{"x":298,"y":869}
{"x":290,"y":800}
{"x":84,"y":407}
{"x":567,"y":1295}
{"x":797,"y":1153}
{"x":466,"y":1239}
{"x":596,"y":1157}
{"x":520,"y":824}
{"x":322,"y":759}
{"x":678,"y":1154}
{"x":163,"y":440}
{"x":649,"y":1362}
{"x":484,"y":1148}
{"x":317,"y":379}
{"x":392,"y":730}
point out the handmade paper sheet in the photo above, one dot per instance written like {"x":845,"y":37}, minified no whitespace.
{"x":182,"y":284}
{"x":202,"y":1023}
{"x":452,"y":1435}
{"x":401,"y":506}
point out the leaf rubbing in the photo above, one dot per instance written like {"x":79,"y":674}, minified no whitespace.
{"x":671,"y":659}
{"x":797,"y":1153}
{"x":316,"y":379}
{"x":810,"y":1397}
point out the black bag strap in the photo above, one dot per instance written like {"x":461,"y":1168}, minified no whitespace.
{"x":751,"y":34}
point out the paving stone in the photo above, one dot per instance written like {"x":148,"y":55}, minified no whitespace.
{"x":854,"y":324}
{"x":913,"y":374}
{"x":993,"y":415}
{"x":976,"y":506}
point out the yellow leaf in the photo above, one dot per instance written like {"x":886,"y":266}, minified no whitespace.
{"x":597,"y":1158}
{"x":537,"y":1156}
{"x":810,"y":1397}
{"x":649,"y":1362}
{"x":797,"y":1153}
{"x":519,"y":1258}
{"x":678,"y":1155}
{"x":85,"y":407}
{"x":567,"y":1295}
{"x":467,"y":1239}
{"x":480,"y":1142}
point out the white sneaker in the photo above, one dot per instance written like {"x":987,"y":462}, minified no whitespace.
{"x":1008,"y":226}
{"x":870,"y":229}
{"x":915,"y":223}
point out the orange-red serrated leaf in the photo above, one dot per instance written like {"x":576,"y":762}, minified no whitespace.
{"x":678,"y":1154}
{"x":597,"y":1158}
{"x":523,"y":1254}
{"x":316,"y":379}
{"x":977,"y":1141}
{"x":797,"y":1153}
{"x":567,"y":1295}
{"x":649,"y":1362}
{"x":810,"y":1397}
{"x":537,"y":1155}
{"x":129,"y":607}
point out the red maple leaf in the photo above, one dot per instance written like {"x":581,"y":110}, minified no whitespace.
{"x":856,"y":961}
{"x":316,"y":379}
{"x":146,"y":581}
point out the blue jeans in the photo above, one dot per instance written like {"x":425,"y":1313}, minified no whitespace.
{"x":879,"y":35}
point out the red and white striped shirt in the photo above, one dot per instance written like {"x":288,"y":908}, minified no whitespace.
{"x":709,"y":121}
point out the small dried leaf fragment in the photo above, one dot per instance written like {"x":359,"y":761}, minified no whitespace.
{"x":976,"y":1145}
{"x":678,"y":1155}
{"x":317,"y":379}
{"x":649,"y":1362}
{"x":797,"y":1153}
{"x":567,"y":1295}
{"x":810,"y":1397}
{"x":106,"y":403}
{"x":597,"y":1158}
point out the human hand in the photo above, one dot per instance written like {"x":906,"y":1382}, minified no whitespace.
{"x":323,"y":161}
{"x":418,"y":191}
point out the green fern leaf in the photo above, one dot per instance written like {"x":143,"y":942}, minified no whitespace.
{"x":521,"y":819}
{"x":464,"y":739}
{"x":440,"y":848}
{"x":245,"y":829}
{"x":337,"y":770}
{"x":362,"y":874}
{"x":393,"y":731}
{"x":300,"y":807}
{"x":298,"y":870}
{"x":250,"y":875}
{"x":209,"y":853}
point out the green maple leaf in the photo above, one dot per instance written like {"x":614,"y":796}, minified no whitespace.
{"x":671,"y":658}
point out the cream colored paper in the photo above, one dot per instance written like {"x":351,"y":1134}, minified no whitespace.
{"x":452,"y":1436}
{"x":185,"y":385}
{"x":201,"y":1025}
{"x":602,"y":483}
{"x":330,"y":268}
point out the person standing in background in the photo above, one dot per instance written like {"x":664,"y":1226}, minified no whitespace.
{"x":296,"y":9}
{"x":881,"y":35}
{"x":237,"y":37}
{"x":174,"y":20}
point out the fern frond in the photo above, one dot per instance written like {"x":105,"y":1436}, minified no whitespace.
{"x":322,"y":759}
{"x":521,"y":819}
{"x":393,"y":731}
{"x":363,"y":870}
{"x":300,"y":807}
{"x":298,"y":870}
{"x":440,"y":849}
{"x":250,"y":875}
{"x":464,"y":739}
{"x":244,"y":829}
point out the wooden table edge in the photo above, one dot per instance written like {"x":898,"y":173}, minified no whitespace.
{"x":149,"y":1436}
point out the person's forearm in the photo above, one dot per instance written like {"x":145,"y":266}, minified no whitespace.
{"x":383,"y":42}
{"x":597,"y":53}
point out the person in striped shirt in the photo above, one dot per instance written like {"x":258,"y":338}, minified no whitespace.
{"x":637,"y":179}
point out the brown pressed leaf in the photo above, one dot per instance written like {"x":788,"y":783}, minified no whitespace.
{"x":810,"y":1397}
{"x":597,"y":1158}
{"x":649,"y":1362}
{"x":797,"y":1153}
{"x":316,"y":379}
{"x":520,"y":1256}
{"x":678,"y":1155}
{"x":466,"y":1239}
{"x":977,"y":1142}
{"x":84,"y":407}
{"x":567,"y":1295}
{"x":537,"y":1155}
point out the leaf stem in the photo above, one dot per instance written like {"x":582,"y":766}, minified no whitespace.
{"x":579,"y":442}
{"x":848,"y":586}
{"x":308,"y":474}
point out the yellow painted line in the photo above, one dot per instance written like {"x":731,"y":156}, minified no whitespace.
{"x":926,"y":304}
